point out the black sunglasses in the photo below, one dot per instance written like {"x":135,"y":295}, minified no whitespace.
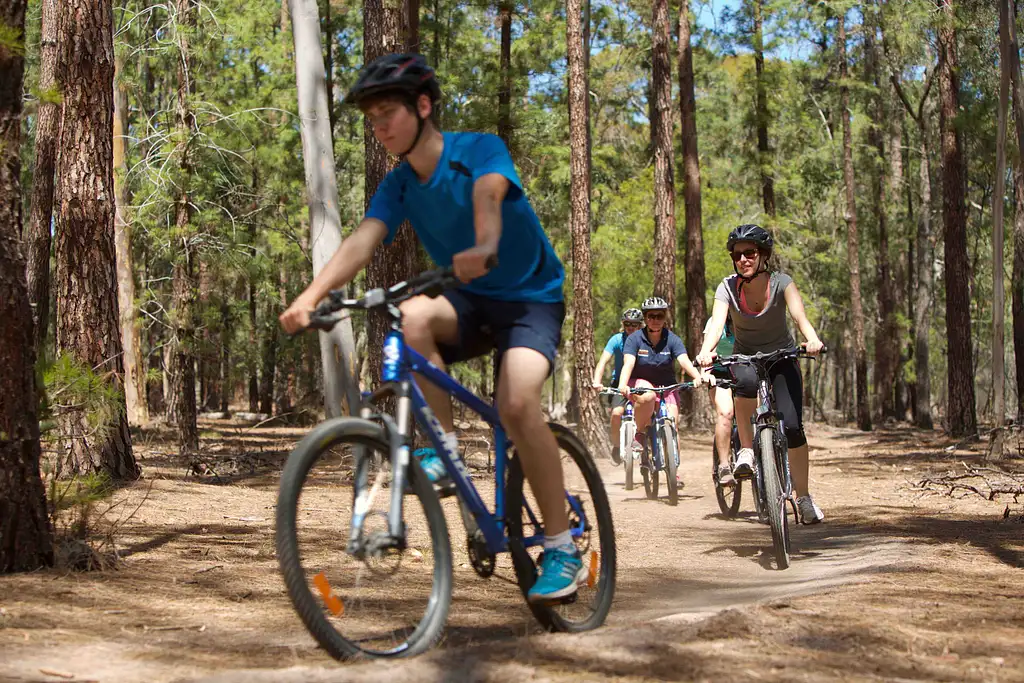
{"x":655,"y":316}
{"x":748,"y":254}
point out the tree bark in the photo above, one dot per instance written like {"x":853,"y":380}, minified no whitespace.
{"x":761,"y":113}
{"x":664,"y":179}
{"x":134,"y":386}
{"x":25,"y":537}
{"x":37,"y":233}
{"x":322,"y":196}
{"x":505,"y":93}
{"x":886,"y":341}
{"x":852,"y":245}
{"x":383,"y":33}
{"x":86,"y":278}
{"x":696,"y":284}
{"x":591,"y":424}
{"x":960,"y":415}
{"x":1018,"y":287}
{"x":998,"y":235}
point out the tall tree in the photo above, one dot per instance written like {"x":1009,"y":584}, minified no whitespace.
{"x":86,"y":278}
{"x":998,"y":239}
{"x":134,"y":383}
{"x":661,"y":138}
{"x":37,"y":233}
{"x":24,"y":523}
{"x":761,"y":110}
{"x":960,"y":411}
{"x":696,"y":285}
{"x":852,"y":242}
{"x":384,"y":32}
{"x":886,"y":340}
{"x":182,"y":406}
{"x":1017,"y":295}
{"x":321,"y":196}
{"x":590,"y":420}
{"x":505,"y":93}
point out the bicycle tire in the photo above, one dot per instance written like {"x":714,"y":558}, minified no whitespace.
{"x":728,"y":496}
{"x":669,"y":448}
{"x":626,"y":434}
{"x":775,"y":501}
{"x":359,"y":433}
{"x":602,"y":561}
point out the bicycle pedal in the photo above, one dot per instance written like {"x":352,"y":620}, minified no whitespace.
{"x":564,"y":600}
{"x":445,"y":489}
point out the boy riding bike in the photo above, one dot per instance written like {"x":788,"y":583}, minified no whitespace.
{"x":463,"y":197}
{"x":632,"y":320}
{"x":756,"y":300}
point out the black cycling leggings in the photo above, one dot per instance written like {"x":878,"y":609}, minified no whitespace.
{"x":789,"y":395}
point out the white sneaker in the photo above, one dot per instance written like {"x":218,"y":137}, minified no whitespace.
{"x":744,"y":462}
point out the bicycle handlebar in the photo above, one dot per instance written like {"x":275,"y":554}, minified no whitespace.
{"x":763,"y":358}
{"x":430,"y":283}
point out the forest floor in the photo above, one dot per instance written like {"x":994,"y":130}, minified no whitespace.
{"x":898,"y":584}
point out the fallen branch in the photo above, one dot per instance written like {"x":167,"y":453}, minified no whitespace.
{"x":987,"y":482}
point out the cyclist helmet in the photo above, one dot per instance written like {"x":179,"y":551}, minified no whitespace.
{"x":632,"y":315}
{"x":751,"y":233}
{"x":655,"y":303}
{"x":406,"y":75}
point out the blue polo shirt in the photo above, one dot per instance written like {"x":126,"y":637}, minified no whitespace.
{"x":441,"y":212}
{"x":614,"y":347}
{"x":655,"y":362}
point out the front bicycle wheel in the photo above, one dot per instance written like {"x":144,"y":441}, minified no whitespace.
{"x":590,"y":521}
{"x":774,"y":498}
{"x":626,"y":434}
{"x":728,"y":495}
{"x":669,"y":453}
{"x":390,"y":603}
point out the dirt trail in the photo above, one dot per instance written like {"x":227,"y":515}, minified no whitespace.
{"x":892,"y":586}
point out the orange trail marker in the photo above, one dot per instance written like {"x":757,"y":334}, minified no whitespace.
{"x":332,"y":601}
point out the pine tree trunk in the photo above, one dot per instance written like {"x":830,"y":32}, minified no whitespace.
{"x":960,"y":416}
{"x":37,"y":232}
{"x":696,"y":284}
{"x":505,"y":93}
{"x":24,"y":524}
{"x":86,"y":279}
{"x":383,"y":24}
{"x":998,"y":235}
{"x":761,"y":112}
{"x":664,"y":179}
{"x":1017,"y":294}
{"x":134,"y":386}
{"x":852,"y":245}
{"x":252,"y":365}
{"x":269,"y":368}
{"x":886,"y":341}
{"x":591,"y":423}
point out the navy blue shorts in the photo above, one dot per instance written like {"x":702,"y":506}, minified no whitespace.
{"x":486,"y":324}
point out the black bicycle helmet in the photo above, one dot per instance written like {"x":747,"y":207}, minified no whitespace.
{"x":750,"y":232}
{"x":655,"y":303}
{"x":632,"y":315}
{"x":407,"y":75}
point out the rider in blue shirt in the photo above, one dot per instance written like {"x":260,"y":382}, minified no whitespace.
{"x":632,"y":320}
{"x":463,"y":197}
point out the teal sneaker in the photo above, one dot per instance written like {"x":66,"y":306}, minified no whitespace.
{"x":431,"y":463}
{"x":560,"y":573}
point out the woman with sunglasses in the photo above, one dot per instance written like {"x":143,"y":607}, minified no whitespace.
{"x":632,"y":320}
{"x":756,"y":300}
{"x":648,"y":360}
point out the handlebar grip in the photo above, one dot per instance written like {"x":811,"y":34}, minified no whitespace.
{"x":322,"y":322}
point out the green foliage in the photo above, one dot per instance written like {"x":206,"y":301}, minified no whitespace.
{"x":71,"y":387}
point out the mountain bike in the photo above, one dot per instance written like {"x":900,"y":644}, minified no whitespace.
{"x":627,"y":430}
{"x":773,"y":486}
{"x":362,"y":536}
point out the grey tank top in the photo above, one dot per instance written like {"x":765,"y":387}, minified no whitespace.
{"x":768,"y":330}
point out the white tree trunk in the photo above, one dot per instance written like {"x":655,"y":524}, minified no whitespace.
{"x":321,"y":193}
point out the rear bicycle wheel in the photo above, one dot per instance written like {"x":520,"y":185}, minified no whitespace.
{"x":728,"y":495}
{"x":387,"y":604}
{"x":590,"y":520}
{"x":669,"y":453}
{"x":775,"y":500}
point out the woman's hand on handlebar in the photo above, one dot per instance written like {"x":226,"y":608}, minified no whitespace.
{"x":705,"y":359}
{"x":813,"y":347}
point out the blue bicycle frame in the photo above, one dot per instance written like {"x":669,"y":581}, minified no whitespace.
{"x":400,"y":362}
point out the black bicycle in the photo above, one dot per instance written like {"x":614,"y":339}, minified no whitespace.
{"x":770,"y":479}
